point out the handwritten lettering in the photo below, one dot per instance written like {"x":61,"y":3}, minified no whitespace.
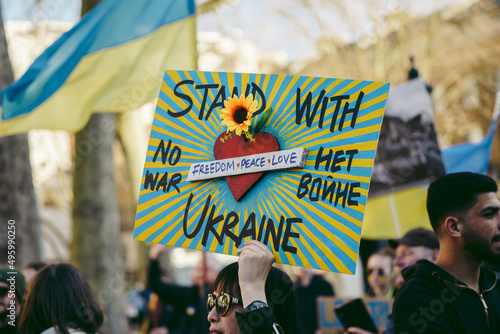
{"x":334,"y":192}
{"x":173,"y":157}
{"x":310,"y":111}
{"x":338,"y":158}
{"x":293,"y":158}
{"x":218,"y":101}
{"x":266,"y":231}
{"x":150,"y":181}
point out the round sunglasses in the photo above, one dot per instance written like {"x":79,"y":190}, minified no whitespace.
{"x":222,"y":303}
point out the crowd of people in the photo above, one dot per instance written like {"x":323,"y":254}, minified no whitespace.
{"x":440,"y":281}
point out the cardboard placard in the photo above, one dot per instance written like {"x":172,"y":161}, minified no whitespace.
{"x":309,"y":216}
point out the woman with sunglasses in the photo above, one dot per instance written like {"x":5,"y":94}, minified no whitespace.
{"x":59,"y":301}
{"x":252,"y":296}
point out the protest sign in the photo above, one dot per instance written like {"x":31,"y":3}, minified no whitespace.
{"x":308,"y":212}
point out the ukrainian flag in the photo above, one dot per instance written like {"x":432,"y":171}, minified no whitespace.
{"x":473,"y":157}
{"x":113,"y":60}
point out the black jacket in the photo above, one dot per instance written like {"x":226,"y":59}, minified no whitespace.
{"x":306,"y":298}
{"x":433,"y":301}
{"x":259,"y":321}
{"x":186,"y":300}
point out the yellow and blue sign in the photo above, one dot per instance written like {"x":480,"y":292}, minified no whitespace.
{"x":309,"y":216}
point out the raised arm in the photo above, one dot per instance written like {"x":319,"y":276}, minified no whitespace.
{"x":254,"y":265}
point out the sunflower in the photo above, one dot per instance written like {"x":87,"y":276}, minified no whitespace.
{"x":238,"y":112}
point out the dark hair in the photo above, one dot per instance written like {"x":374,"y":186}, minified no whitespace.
{"x":385,"y":251}
{"x":279,"y":293}
{"x":59,"y":296}
{"x":36,"y":265}
{"x":455,"y":194}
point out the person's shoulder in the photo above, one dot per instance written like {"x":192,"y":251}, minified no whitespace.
{"x":320,"y":281}
{"x":422,"y":269}
{"x":420,"y":282}
{"x":416,"y":287}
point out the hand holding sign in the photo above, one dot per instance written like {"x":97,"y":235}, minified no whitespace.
{"x":254,"y":264}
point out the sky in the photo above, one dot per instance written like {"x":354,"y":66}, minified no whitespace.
{"x":272,"y":25}
{"x":295,"y":25}
{"x":41,"y":10}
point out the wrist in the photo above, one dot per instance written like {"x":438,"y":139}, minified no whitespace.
{"x":252,"y":287}
{"x":250,"y":295}
{"x":255,"y":305}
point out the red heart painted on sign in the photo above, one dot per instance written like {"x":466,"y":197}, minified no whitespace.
{"x":232,"y":146}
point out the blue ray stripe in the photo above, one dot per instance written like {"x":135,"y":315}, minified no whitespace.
{"x":196,"y":208}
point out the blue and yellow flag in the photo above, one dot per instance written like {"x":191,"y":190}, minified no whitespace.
{"x":473,"y":157}
{"x":111,"y":61}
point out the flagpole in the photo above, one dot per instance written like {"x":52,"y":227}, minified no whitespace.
{"x":395,"y":216}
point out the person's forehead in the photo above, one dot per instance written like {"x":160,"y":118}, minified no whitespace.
{"x":484,"y":201}
{"x":403,"y":247}
{"x":378,"y":259}
{"x":226,"y":287}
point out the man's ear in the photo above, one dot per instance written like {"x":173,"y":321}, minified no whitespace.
{"x":452,"y":227}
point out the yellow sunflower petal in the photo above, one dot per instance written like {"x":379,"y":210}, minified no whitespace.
{"x":232,"y":124}
{"x":248,"y":100}
{"x":253,"y":106}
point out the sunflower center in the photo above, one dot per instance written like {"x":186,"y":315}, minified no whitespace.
{"x":240,"y":115}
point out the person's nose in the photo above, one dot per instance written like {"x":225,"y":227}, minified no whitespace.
{"x":213,"y":316}
{"x":398,"y":261}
